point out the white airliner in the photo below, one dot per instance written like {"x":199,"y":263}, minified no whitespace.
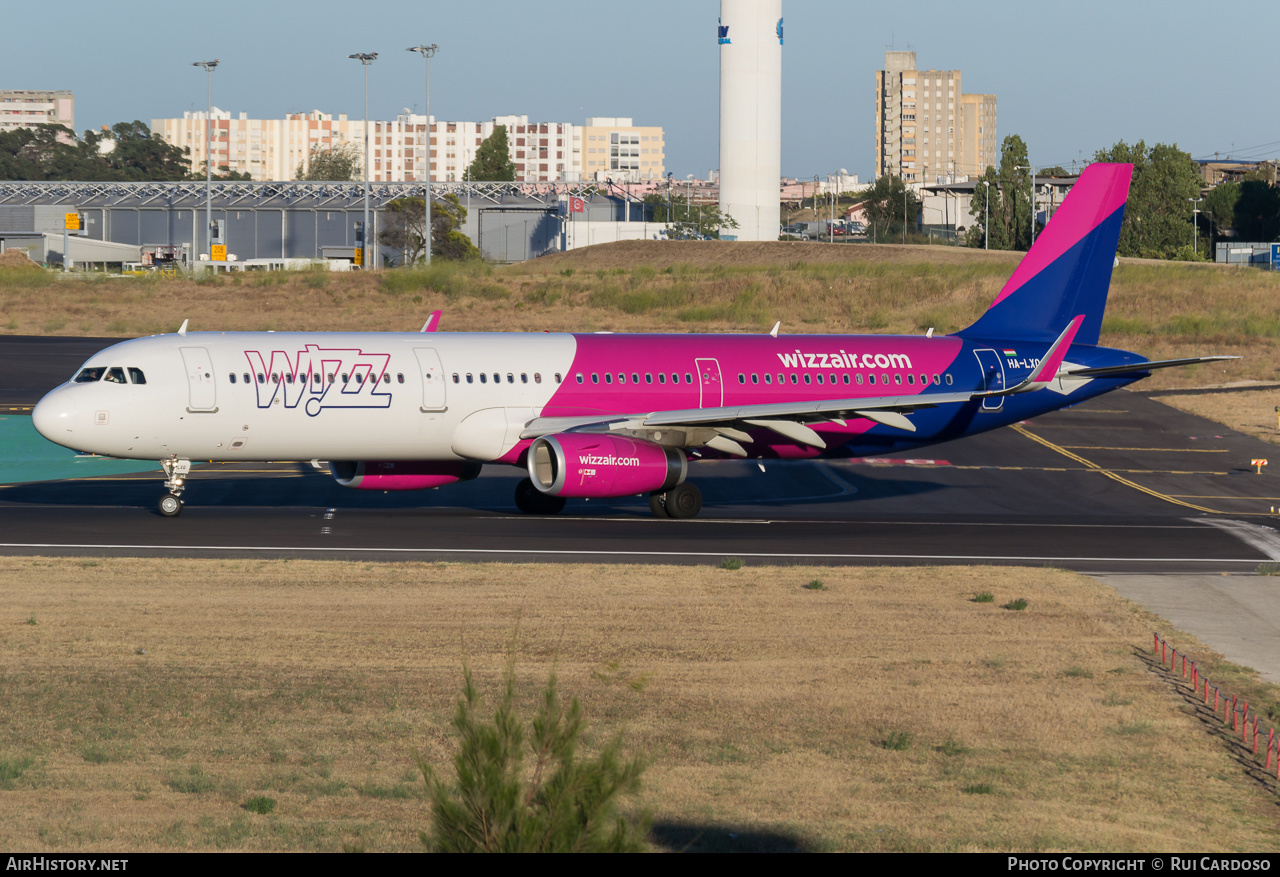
{"x":604,"y":415}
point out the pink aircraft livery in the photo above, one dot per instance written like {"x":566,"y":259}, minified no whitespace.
{"x":604,"y":415}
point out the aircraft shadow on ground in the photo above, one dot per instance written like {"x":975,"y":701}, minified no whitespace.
{"x":690,"y":837}
{"x":309,"y":489}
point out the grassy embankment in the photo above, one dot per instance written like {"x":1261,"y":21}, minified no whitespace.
{"x":146,"y":702}
{"x":1162,"y":310}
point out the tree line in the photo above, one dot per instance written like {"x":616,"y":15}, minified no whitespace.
{"x":125,"y":152}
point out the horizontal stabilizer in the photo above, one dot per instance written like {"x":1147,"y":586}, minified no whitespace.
{"x":1107,"y":371}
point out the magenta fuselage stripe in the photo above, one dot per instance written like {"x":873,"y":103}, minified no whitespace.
{"x":1101,"y":190}
{"x":828,"y":356}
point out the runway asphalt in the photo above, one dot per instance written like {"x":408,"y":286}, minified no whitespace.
{"x":1122,"y":485}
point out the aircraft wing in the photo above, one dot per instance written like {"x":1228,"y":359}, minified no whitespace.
{"x":724,"y":428}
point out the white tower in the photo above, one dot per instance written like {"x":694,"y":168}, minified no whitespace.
{"x":750,"y":36}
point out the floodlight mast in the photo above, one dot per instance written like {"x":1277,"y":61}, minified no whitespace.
{"x":365,"y":58}
{"x":209,"y":67}
{"x":427,"y":52}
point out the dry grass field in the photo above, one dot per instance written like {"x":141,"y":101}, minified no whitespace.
{"x":144,"y":702}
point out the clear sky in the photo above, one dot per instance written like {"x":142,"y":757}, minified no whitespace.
{"x":1070,"y":78}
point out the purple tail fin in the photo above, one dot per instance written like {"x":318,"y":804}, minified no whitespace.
{"x":1068,"y":270}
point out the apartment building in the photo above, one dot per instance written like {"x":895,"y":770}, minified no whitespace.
{"x":927,"y":130}
{"x":272,"y":149}
{"x":26,"y":109}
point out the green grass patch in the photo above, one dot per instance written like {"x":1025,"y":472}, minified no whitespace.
{"x":1017,"y":605}
{"x":898,"y":741}
{"x":731,"y":563}
{"x":12,"y":769}
{"x":984,"y":597}
{"x":194,"y":782}
{"x":815,"y":585}
{"x":979,"y":789}
{"x":260,"y":804}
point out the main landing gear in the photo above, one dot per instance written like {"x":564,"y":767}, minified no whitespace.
{"x":682,"y":501}
{"x":176,"y":472}
{"x":532,"y":501}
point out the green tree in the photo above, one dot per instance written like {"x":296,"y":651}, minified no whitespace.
{"x":564,"y":804}
{"x":341,"y":162}
{"x":403,"y":223}
{"x":1257,"y":211}
{"x":493,"y":159}
{"x":687,"y":217}
{"x":889,"y":204}
{"x":1157,"y":218}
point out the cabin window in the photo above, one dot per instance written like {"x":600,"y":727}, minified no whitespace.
{"x":345,"y":378}
{"x":688,"y":378}
{"x":484,"y":378}
{"x":924,"y":379}
{"x":819,"y":377}
{"x":497,"y":378}
{"x":233,"y":377}
{"x":537,"y":377}
{"x":635,"y":377}
{"x":386,"y":378}
{"x":579,"y":377}
{"x":524,"y":377}
{"x":262,"y":379}
{"x":859,"y":380}
{"x":911,"y":379}
{"x":794,"y":378}
{"x":622,"y":378}
{"x":359,"y":379}
{"x":469,"y":378}
{"x":845,"y":378}
{"x":871,"y":379}
{"x":511,"y":379}
{"x":328,"y":377}
{"x":648,"y":377}
{"x":807,"y":379}
{"x":662,"y":377}
{"x":936,"y":380}
{"x":948,"y":380}
{"x":137,"y":377}
{"x":675,"y":378}
{"x":884,"y":378}
{"x":768,"y":378}
{"x":89,"y":375}
{"x":780,"y":379}
{"x":595,"y":378}
{"x":557,"y":377}
{"x":755,"y":378}
{"x":897,"y":379}
{"x":608,"y":378}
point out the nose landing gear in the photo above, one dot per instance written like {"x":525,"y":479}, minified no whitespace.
{"x":176,"y":472}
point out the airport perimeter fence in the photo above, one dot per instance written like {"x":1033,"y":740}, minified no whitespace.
{"x":1243,"y":721}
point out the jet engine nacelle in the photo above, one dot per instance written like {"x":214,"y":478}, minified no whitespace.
{"x":401,"y":475}
{"x":591,"y":465}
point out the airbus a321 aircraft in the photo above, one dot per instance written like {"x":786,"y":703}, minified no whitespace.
{"x":604,"y":415}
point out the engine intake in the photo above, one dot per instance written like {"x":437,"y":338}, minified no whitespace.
{"x":401,"y":475}
{"x":590,"y":465}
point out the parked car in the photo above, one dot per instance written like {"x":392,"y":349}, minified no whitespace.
{"x":796,"y":230}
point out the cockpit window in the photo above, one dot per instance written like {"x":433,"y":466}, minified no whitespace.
{"x":137,"y":377}
{"x":89,"y":375}
{"x":115,"y":375}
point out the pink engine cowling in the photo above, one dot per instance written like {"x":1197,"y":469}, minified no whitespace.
{"x":401,"y":475}
{"x":589,"y":465}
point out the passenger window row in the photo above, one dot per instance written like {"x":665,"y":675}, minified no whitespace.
{"x":844,"y":378}
{"x":635,"y":377}
{"x":497,"y":378}
{"x":278,"y":377}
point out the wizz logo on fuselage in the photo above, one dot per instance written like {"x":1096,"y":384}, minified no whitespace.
{"x":321,"y":378}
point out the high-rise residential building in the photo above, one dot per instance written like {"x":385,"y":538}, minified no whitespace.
{"x":273,"y":149}
{"x":26,"y":109}
{"x":927,"y":131}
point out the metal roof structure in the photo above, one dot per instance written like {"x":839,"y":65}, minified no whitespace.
{"x":306,"y":195}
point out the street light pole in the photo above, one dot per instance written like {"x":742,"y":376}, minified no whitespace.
{"x":1195,"y":225}
{"x":209,"y":67}
{"x":365,"y":58}
{"x":427,"y":52}
{"x":986,"y":217}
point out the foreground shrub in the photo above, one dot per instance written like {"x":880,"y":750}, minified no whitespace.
{"x":562,"y":805}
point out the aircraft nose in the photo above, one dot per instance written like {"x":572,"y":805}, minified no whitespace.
{"x":54,"y":419}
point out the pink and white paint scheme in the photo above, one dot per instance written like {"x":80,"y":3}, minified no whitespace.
{"x":604,"y":415}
